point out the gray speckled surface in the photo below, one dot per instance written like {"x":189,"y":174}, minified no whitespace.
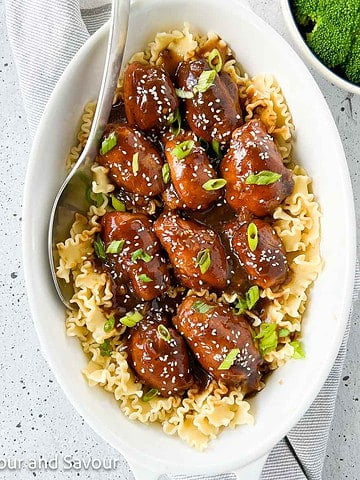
{"x":36,"y":420}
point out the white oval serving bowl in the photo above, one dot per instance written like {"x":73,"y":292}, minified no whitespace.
{"x":310,"y":56}
{"x":289,"y":390}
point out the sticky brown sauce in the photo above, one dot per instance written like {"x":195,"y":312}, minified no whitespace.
{"x":169,"y":61}
{"x":216,"y":218}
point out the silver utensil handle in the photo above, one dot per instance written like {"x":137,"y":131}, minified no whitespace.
{"x":114,"y":57}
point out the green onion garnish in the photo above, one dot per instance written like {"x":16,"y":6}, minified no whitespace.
{"x":183,"y":149}
{"x":166,"y":172}
{"x":203,"y":260}
{"x":175,"y":122}
{"x":216,"y":147}
{"x":298,"y":349}
{"x":131,"y":319}
{"x":215,"y":55}
{"x":201,"y":307}
{"x":240,"y":306}
{"x":252,"y":296}
{"x":252,"y":236}
{"x":99,"y":248}
{"x":229,"y":359}
{"x":105,"y":349}
{"x":118,"y":204}
{"x":264,"y":177}
{"x":92,"y":197}
{"x":283,"y":332}
{"x":206,"y":80}
{"x":141,"y":255}
{"x":214,"y":184}
{"x":135,"y":163}
{"x":150,"y":394}
{"x":267,"y":337}
{"x":183,"y":93}
{"x":108,"y":143}
{"x":164,"y":333}
{"x":116,"y":246}
{"x":144,"y":278}
{"x":109,"y":324}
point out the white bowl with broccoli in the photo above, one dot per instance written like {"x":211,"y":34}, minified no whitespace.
{"x":327,"y":34}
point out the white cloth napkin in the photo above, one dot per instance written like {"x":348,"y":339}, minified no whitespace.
{"x":45,"y":35}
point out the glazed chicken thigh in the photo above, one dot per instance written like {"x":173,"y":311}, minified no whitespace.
{"x":190,"y":171}
{"x":265,"y":263}
{"x":160,"y":362}
{"x":253,"y":168}
{"x":134,"y":163}
{"x":149,"y":96}
{"x":214,"y":111}
{"x":139,"y":257}
{"x":213,"y":332}
{"x":196,"y":253}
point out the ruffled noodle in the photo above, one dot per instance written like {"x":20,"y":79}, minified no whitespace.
{"x":86,"y":121}
{"x":265,"y":100}
{"x":279,"y":357}
{"x":297,"y":222}
{"x":199,"y":416}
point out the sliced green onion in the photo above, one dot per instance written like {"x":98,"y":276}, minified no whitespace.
{"x":116,"y":246}
{"x":214,"y":184}
{"x":265,"y":177}
{"x":109,"y":324}
{"x":203,"y":260}
{"x":135,"y":163}
{"x":298,"y":349}
{"x":141,"y":255}
{"x":105,"y":349}
{"x":206,"y":80}
{"x":164,"y":333}
{"x":283,"y":332}
{"x":252,"y":296}
{"x":252,"y":236}
{"x":183,"y":93}
{"x":175,"y":122}
{"x":166,"y":172}
{"x":108,"y":143}
{"x":267,"y":337}
{"x":99,"y":248}
{"x":150,"y":395}
{"x":240,"y":306}
{"x":213,"y":55}
{"x":183,"y":149}
{"x":118,"y":204}
{"x":92,"y":197}
{"x":201,"y":307}
{"x":144,"y":278}
{"x":216,"y":147}
{"x":229,"y":359}
{"x":131,"y":319}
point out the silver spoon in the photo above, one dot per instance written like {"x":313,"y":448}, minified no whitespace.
{"x":71,"y":196}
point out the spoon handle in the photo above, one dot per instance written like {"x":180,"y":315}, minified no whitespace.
{"x":114,"y":57}
{"x":71,"y":196}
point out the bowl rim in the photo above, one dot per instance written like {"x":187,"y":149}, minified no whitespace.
{"x":130,"y":453}
{"x":325,"y":71}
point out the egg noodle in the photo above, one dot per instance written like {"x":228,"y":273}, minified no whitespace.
{"x":199,"y":416}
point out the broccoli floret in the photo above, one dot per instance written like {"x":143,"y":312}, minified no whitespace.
{"x":352,"y":65}
{"x":305,"y":11}
{"x":329,"y":26}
